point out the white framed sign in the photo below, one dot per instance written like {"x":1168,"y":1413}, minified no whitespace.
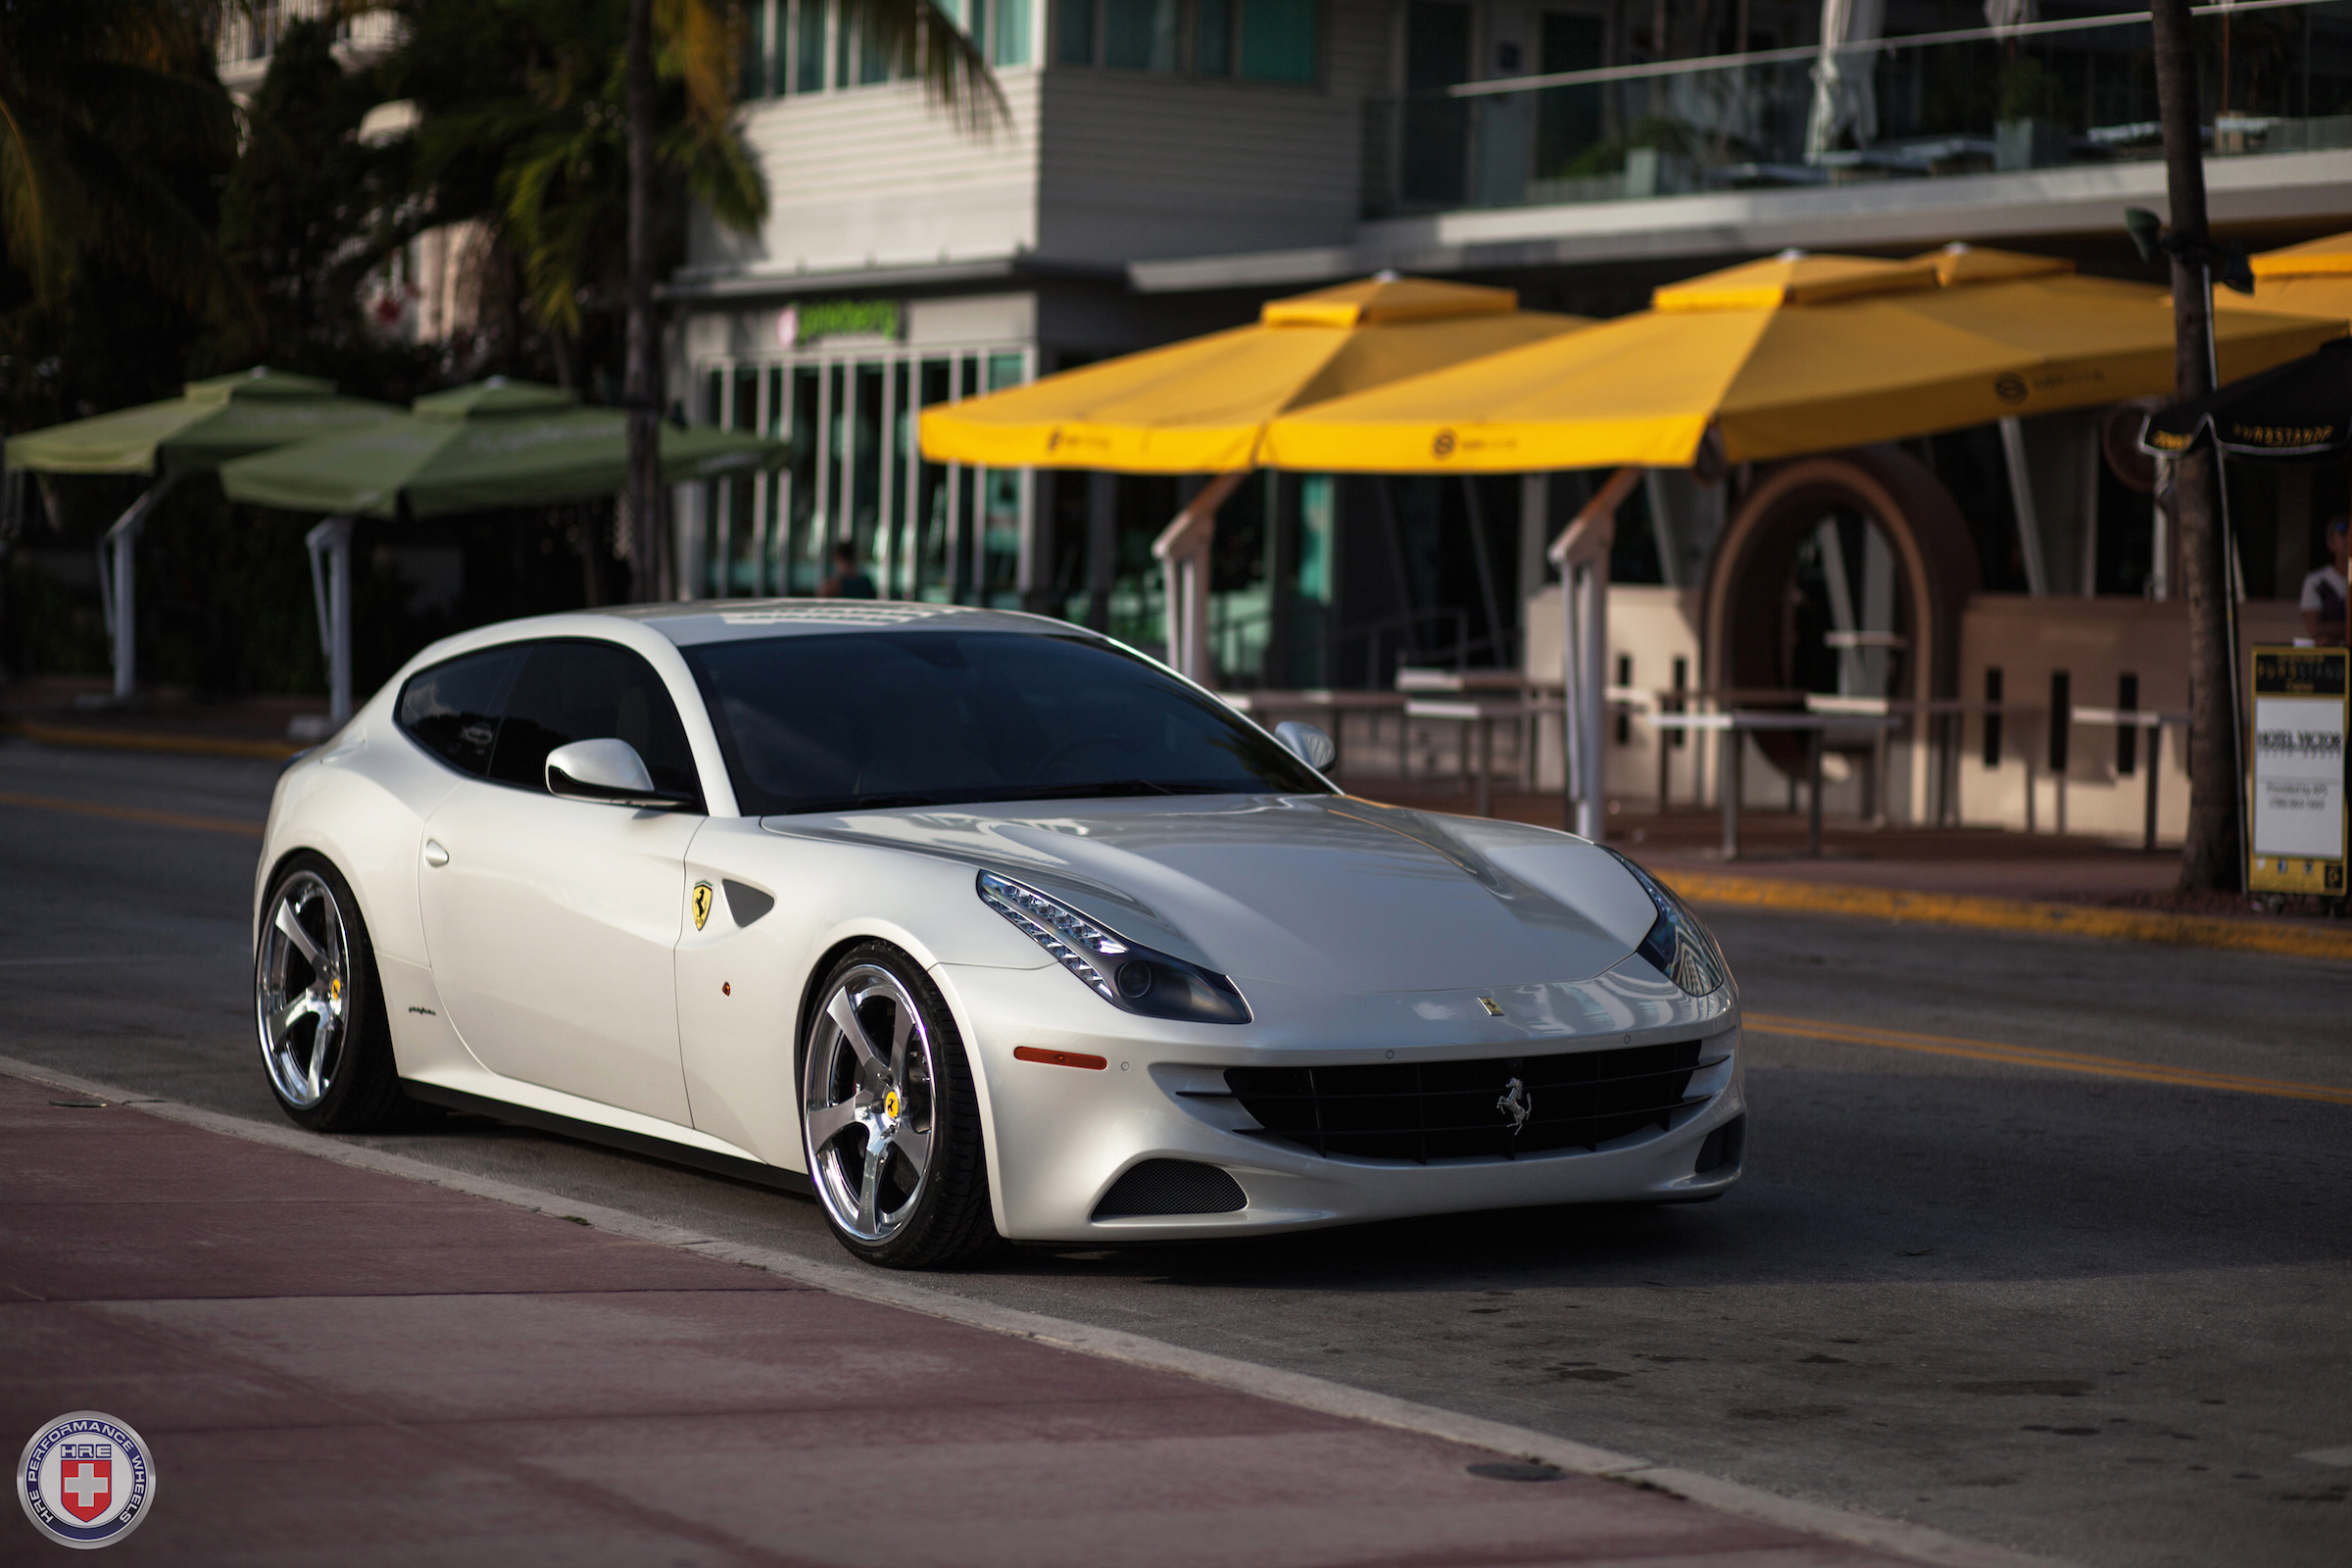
{"x":2298,"y":806}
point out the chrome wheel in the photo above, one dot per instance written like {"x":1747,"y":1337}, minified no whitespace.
{"x":302,"y":990}
{"x":868,"y":1104}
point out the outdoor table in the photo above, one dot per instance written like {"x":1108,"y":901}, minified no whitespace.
{"x":1472,"y":713}
{"x":1943,"y":742}
{"x":2134,"y":718}
{"x":1419,"y":678}
{"x":1415,"y":678}
{"x":1739,"y":722}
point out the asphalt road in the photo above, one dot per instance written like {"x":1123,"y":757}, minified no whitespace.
{"x":2098,"y":1315}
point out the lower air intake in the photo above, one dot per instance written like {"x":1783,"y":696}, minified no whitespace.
{"x":1172,"y":1187}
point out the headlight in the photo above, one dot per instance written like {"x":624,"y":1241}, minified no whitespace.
{"x":1130,"y":977}
{"x":1683,"y":950}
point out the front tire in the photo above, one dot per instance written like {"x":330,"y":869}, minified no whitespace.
{"x":326,"y":1047}
{"x":889,"y":1118}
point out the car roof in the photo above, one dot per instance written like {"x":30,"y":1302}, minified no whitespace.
{"x":714,"y":621}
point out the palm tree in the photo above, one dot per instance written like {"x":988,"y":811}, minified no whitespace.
{"x":702,"y":40}
{"x":2211,"y":858}
{"x":99,"y":100}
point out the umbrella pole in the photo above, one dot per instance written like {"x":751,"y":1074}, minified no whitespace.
{"x":1582,"y":553}
{"x":2020,"y":496}
{"x":1183,"y":548}
{"x":330,"y":592}
{"x":117,"y":584}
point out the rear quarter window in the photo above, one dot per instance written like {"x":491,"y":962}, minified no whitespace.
{"x":452,"y":710}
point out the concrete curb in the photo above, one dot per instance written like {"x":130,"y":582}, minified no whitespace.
{"x":1715,"y":888}
{"x":1917,"y":1542}
{"x":107,"y":740}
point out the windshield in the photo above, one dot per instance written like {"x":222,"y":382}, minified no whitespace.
{"x":833,"y":723}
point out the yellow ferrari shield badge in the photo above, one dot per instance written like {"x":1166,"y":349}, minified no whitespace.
{"x":702,"y":904}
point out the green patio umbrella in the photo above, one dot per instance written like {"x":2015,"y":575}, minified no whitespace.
{"x":496,"y":443}
{"x":213,"y":422}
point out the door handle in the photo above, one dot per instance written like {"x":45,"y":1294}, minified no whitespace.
{"x":435,"y":853}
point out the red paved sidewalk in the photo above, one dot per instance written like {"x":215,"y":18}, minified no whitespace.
{"x":334,"y":1366}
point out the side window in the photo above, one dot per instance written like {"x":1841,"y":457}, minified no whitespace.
{"x":452,"y":710}
{"x":585,"y":691}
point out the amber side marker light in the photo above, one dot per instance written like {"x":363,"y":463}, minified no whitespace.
{"x":1058,"y":1058}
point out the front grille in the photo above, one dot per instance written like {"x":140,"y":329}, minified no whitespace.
{"x":1429,"y":1110}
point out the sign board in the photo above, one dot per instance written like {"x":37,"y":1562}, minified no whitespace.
{"x":2298,"y":788}
{"x":879,"y":319}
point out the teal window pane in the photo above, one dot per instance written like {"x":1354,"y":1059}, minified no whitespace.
{"x":1004,"y":371}
{"x":809,"y":46}
{"x":1075,"y":33}
{"x":1139,"y":34}
{"x":1213,"y":37}
{"x":753,"y":83}
{"x":1009,"y":29}
{"x":1278,"y":40}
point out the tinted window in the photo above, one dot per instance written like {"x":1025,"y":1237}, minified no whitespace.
{"x":587,"y":691}
{"x":935,"y":717}
{"x":452,"y":710}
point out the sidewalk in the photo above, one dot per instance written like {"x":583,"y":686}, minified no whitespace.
{"x":331,"y":1364}
{"x":77,"y":710}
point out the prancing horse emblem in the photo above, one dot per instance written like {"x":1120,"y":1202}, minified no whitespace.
{"x":1515,"y":1104}
{"x":702,"y":904}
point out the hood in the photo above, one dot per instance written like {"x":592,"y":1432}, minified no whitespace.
{"x":1328,"y":892}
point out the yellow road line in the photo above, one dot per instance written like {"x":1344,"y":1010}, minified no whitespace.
{"x":150,"y":741}
{"x":132,"y":813}
{"x":2008,"y":914}
{"x":2037,"y":1056}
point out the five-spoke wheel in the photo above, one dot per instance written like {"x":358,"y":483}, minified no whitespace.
{"x":301,"y":989}
{"x":324,"y":1042}
{"x":887,"y":1117}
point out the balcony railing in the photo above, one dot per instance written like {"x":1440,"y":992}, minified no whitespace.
{"x":2059,"y":93}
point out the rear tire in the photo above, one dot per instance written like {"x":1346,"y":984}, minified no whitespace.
{"x":327,"y":1045}
{"x":889,"y":1118}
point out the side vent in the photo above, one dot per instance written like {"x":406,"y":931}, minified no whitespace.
{"x":747,"y":903}
{"x":1172,"y":1187}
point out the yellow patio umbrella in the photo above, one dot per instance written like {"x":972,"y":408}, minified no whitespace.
{"x":1200,"y":406}
{"x":1795,"y":354}
{"x":2313,"y":278}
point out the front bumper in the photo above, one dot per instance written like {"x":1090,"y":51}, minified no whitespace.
{"x":1059,"y":1137}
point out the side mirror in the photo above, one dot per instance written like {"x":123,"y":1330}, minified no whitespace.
{"x":1307,"y":742}
{"x":610,"y":773}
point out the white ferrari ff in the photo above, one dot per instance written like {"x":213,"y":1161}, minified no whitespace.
{"x":977,"y":924}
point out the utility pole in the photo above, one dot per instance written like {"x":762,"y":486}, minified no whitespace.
{"x":642,"y":501}
{"x":2212,"y":857}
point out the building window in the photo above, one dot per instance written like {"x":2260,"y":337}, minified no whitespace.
{"x":1278,"y":40}
{"x":925,"y":531}
{"x":1213,"y":37}
{"x":1257,"y":40}
{"x":1139,"y":34}
{"x":788,"y":43}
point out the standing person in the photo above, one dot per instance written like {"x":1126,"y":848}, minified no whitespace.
{"x":2325,"y":592}
{"x":848,"y":580}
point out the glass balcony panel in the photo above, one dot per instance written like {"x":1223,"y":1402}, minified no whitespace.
{"x":1948,"y":99}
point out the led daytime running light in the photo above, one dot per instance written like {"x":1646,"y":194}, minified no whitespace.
{"x":1063,"y":932}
